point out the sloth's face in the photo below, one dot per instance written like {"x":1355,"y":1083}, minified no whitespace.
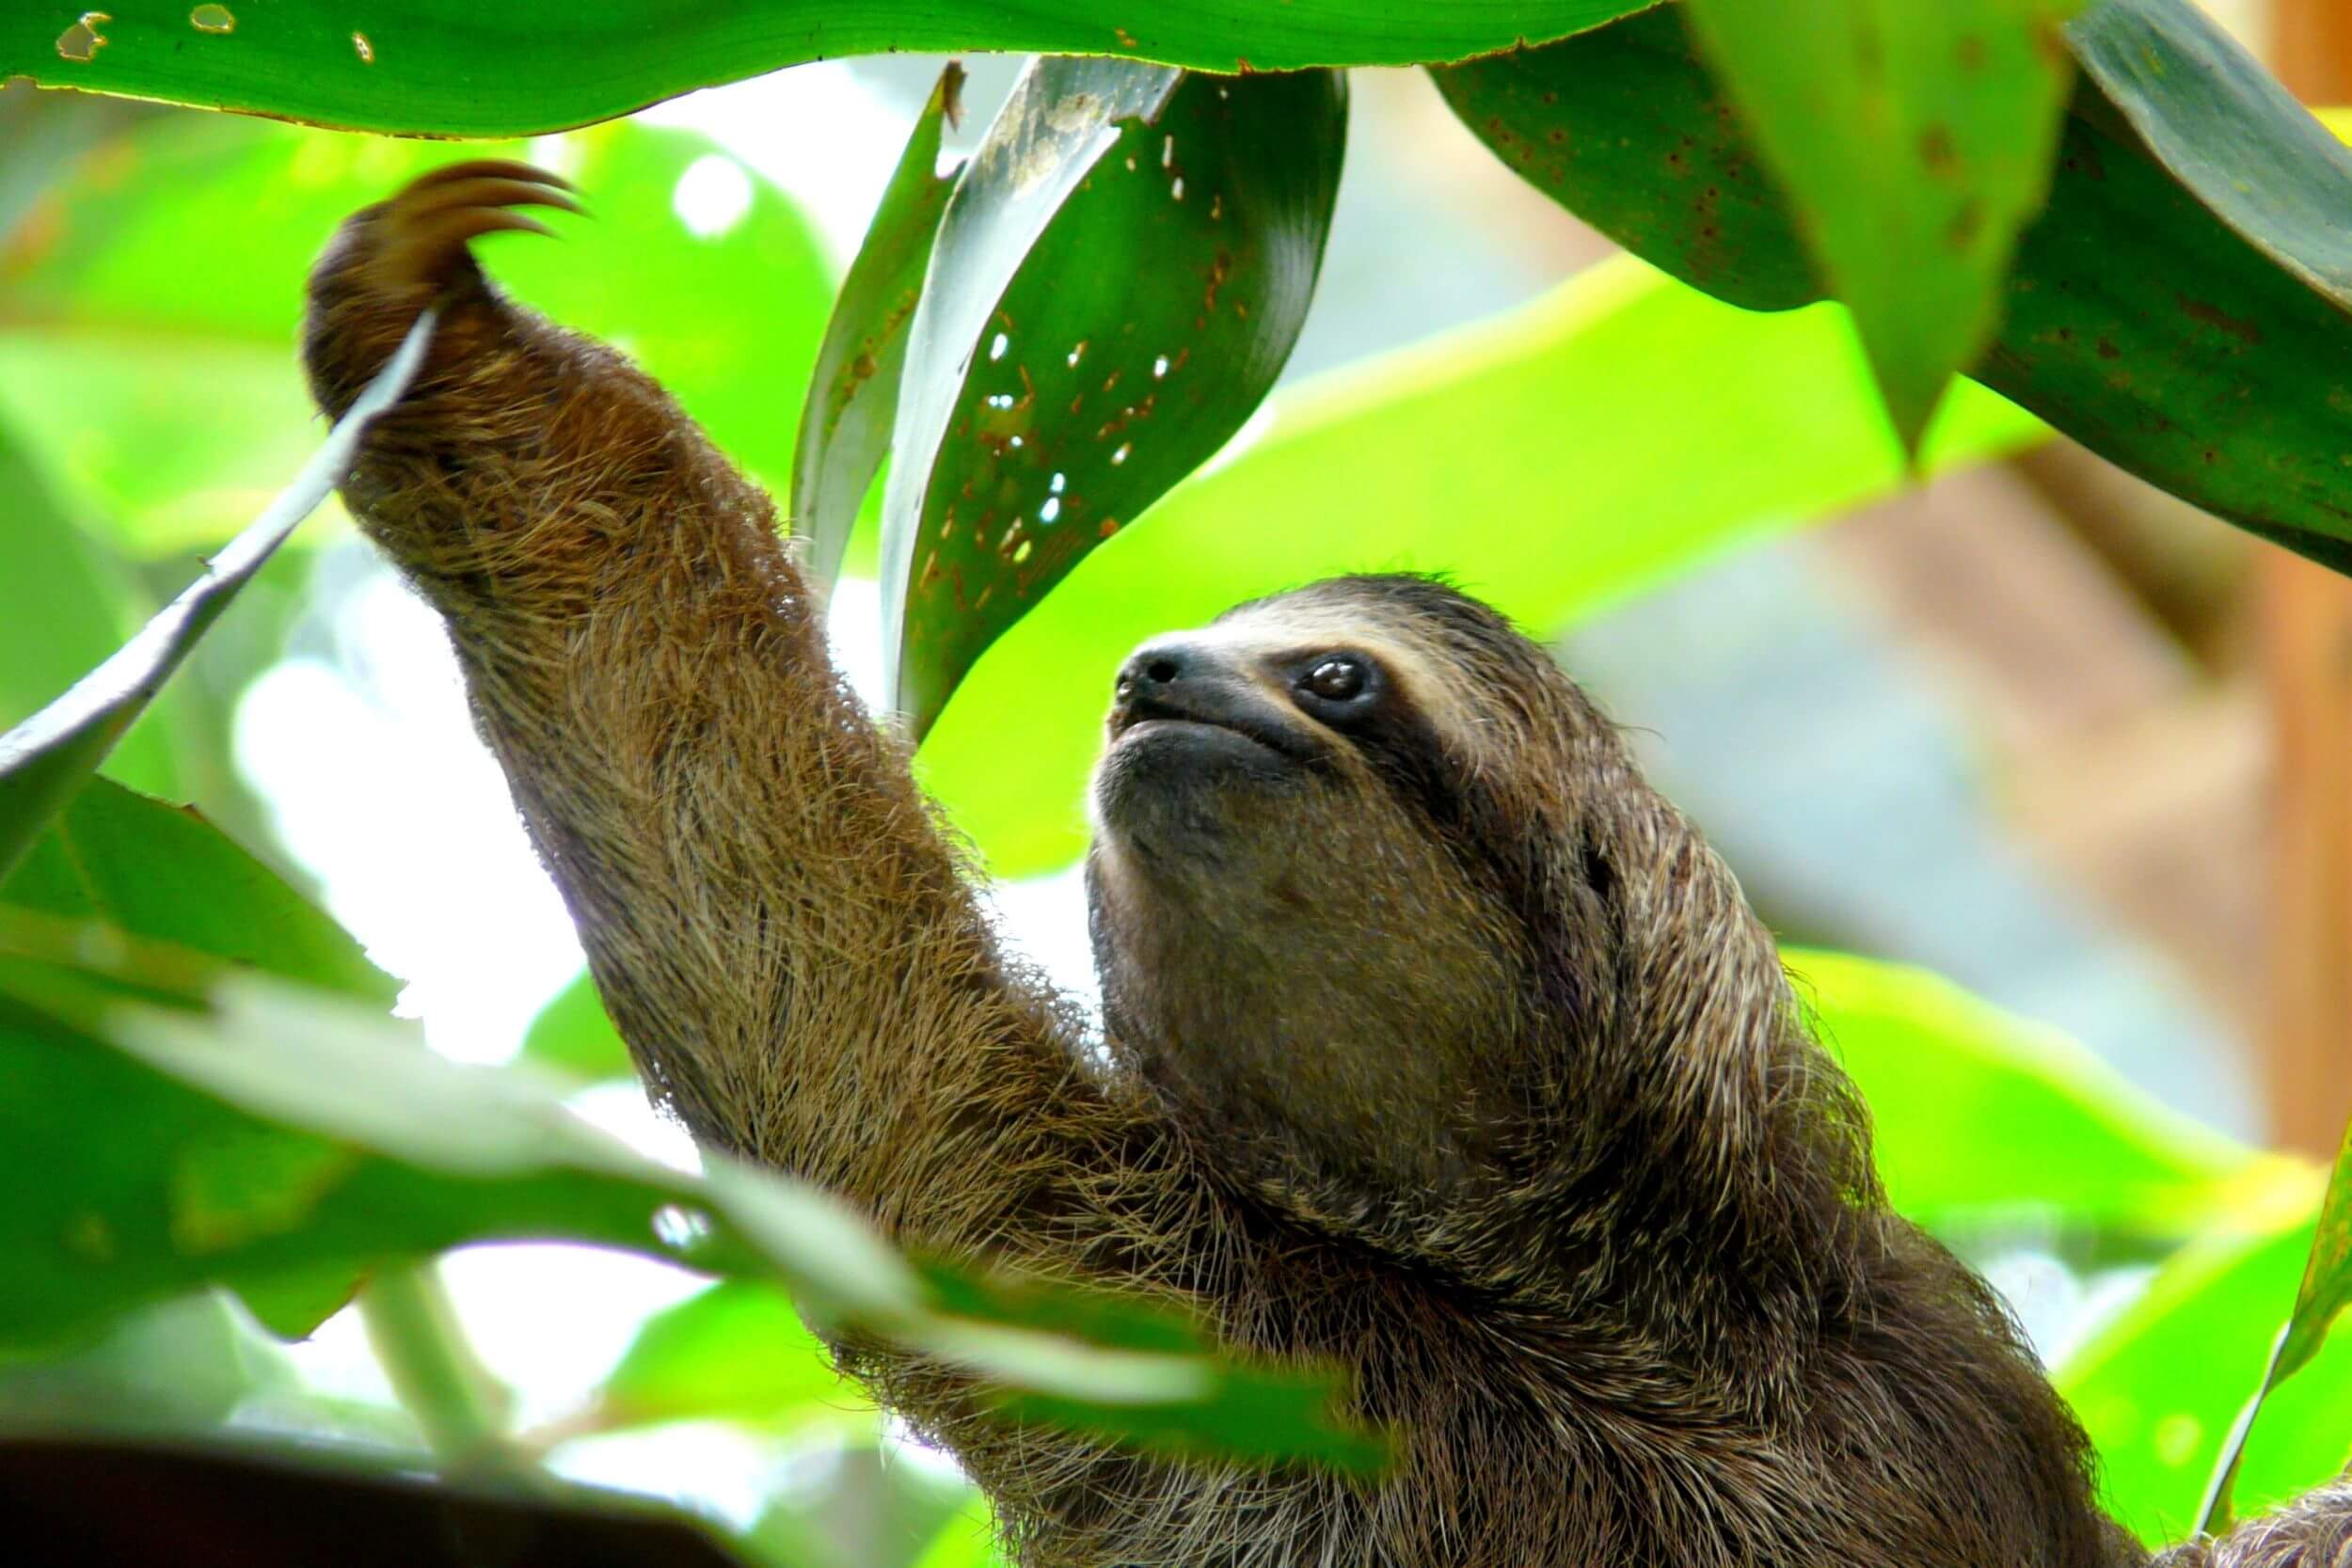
{"x":1223,"y":741}
{"x":1287,"y":911}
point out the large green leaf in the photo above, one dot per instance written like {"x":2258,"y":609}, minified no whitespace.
{"x":146,"y":343}
{"x":1978,"y":1112}
{"x":49,"y":756}
{"x":1552,"y":459}
{"x":1049,"y":398}
{"x":1915,"y":139}
{"x":853,"y":393}
{"x":272,"y":1133}
{"x":456,"y":68}
{"x":2179,"y":307}
{"x":2159,"y":1388}
{"x":2319,"y":1301}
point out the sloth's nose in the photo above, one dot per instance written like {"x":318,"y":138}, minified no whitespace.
{"x":1152,"y":670}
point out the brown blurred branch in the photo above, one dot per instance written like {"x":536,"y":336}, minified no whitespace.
{"x":2306,"y":650}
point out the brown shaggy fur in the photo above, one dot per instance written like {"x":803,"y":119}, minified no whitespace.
{"x":1448,"y":1054}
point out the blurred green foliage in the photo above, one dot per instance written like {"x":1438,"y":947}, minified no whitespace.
{"x":1556,"y":460}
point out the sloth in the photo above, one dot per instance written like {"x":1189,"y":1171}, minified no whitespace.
{"x":1435,"y":1045}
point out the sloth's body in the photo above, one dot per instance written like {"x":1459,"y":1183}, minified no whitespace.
{"x":1441,"y":1048}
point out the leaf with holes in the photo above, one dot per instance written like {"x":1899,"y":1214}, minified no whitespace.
{"x":458,"y":68}
{"x":853,"y":393}
{"x":1059,"y":386}
{"x":2183,"y":306}
{"x":1550,"y":459}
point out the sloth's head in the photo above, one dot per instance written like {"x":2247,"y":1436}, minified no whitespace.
{"x":1367,"y":867}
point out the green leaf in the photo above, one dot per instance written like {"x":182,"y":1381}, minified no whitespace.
{"x":1624,"y":127}
{"x":453,"y":68}
{"x":2159,"y":1388}
{"x":2326,"y":1288}
{"x":282,"y":1131}
{"x":1050,"y":399}
{"x":180,"y":1367}
{"x":2179,"y":307}
{"x":1552,"y":459}
{"x":853,"y":393}
{"x":161,"y":872}
{"x":65,"y":604}
{"x":1914,"y":140}
{"x":737,"y":1351}
{"x":966,"y":1541}
{"x":2319,"y":1301}
{"x":49,"y":756}
{"x":1978,"y":1112}
{"x":574,"y":1034}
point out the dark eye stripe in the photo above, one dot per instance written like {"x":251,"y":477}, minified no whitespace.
{"x":1402,"y":747}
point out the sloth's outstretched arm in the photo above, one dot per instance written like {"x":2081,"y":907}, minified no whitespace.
{"x":784,"y":939}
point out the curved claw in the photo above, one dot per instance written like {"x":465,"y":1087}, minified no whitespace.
{"x":421,"y":234}
{"x":487,"y":168}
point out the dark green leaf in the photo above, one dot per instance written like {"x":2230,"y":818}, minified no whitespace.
{"x":736,"y":1351}
{"x":1552,"y":459}
{"x":45,"y":759}
{"x":1914,"y":140}
{"x":2178,"y":306}
{"x":574,"y":1034}
{"x":853,"y":394}
{"x":1624,"y":127}
{"x":1054,"y":397}
{"x":454,"y":67}
{"x":1979,"y":1113}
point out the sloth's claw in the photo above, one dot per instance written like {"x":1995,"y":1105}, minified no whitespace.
{"x":487,"y":168}
{"x":420,"y":235}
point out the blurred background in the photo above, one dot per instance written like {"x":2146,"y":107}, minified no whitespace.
{"x":2033,"y":725}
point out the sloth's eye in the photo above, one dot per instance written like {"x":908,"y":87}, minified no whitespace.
{"x":1338,"y":679}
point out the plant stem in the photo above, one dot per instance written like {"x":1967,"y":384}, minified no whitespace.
{"x":457,"y":1401}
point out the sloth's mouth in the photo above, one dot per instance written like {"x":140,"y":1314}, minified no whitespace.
{"x":1142,"y":717}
